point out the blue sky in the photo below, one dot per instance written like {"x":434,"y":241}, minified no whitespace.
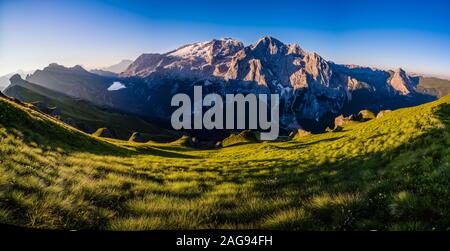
{"x":414,"y":35}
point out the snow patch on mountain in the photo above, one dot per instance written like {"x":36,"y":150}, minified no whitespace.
{"x":192,"y":50}
{"x":116,"y":86}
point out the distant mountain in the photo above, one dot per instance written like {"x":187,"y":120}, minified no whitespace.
{"x":74,"y":81}
{"x":119,"y":67}
{"x":83,"y":114}
{"x":78,"y":83}
{"x":104,"y":73}
{"x":113,"y":70}
{"x":4,"y":80}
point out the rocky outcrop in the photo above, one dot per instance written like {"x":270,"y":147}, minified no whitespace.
{"x":382,"y":113}
{"x":362,"y":116}
{"x":300,"y":133}
{"x":365,"y":115}
{"x":243,"y":137}
{"x":341,"y":120}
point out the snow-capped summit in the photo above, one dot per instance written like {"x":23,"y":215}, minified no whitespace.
{"x":190,"y":50}
{"x":197,"y":59}
{"x":208,"y":49}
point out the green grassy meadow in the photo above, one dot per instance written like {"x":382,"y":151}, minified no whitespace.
{"x":389,"y":173}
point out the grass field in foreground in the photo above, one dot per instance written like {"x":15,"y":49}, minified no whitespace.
{"x":390,"y":173}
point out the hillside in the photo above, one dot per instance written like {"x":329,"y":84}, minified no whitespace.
{"x":434,"y":86}
{"x":83,"y":114}
{"x":388,"y":173}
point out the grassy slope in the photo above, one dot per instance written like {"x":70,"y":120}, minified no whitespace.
{"x":89,"y":114}
{"x":388,"y":173}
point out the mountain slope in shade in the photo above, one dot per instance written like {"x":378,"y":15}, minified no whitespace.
{"x":74,"y":81}
{"x":83,"y":114}
{"x":4,"y":80}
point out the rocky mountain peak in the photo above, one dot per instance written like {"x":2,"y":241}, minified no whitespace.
{"x":271,"y":62}
{"x":54,"y":66}
{"x":61,"y":68}
{"x":15,"y":78}
{"x":208,"y":49}
{"x":401,"y":82}
{"x":270,"y":45}
{"x":79,"y":69}
{"x":268,"y":40}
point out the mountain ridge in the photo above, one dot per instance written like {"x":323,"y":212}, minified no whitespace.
{"x":312,"y":90}
{"x":310,"y":86}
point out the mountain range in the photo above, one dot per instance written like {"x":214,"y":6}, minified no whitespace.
{"x":312,"y":89}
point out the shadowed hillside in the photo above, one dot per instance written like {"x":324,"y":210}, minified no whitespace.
{"x":83,"y":114}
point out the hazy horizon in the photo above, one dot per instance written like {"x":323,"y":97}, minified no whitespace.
{"x":413,"y":35}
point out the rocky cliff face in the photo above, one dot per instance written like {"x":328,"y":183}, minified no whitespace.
{"x":401,"y":82}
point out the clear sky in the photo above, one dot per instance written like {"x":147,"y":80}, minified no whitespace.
{"x":414,"y":35}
